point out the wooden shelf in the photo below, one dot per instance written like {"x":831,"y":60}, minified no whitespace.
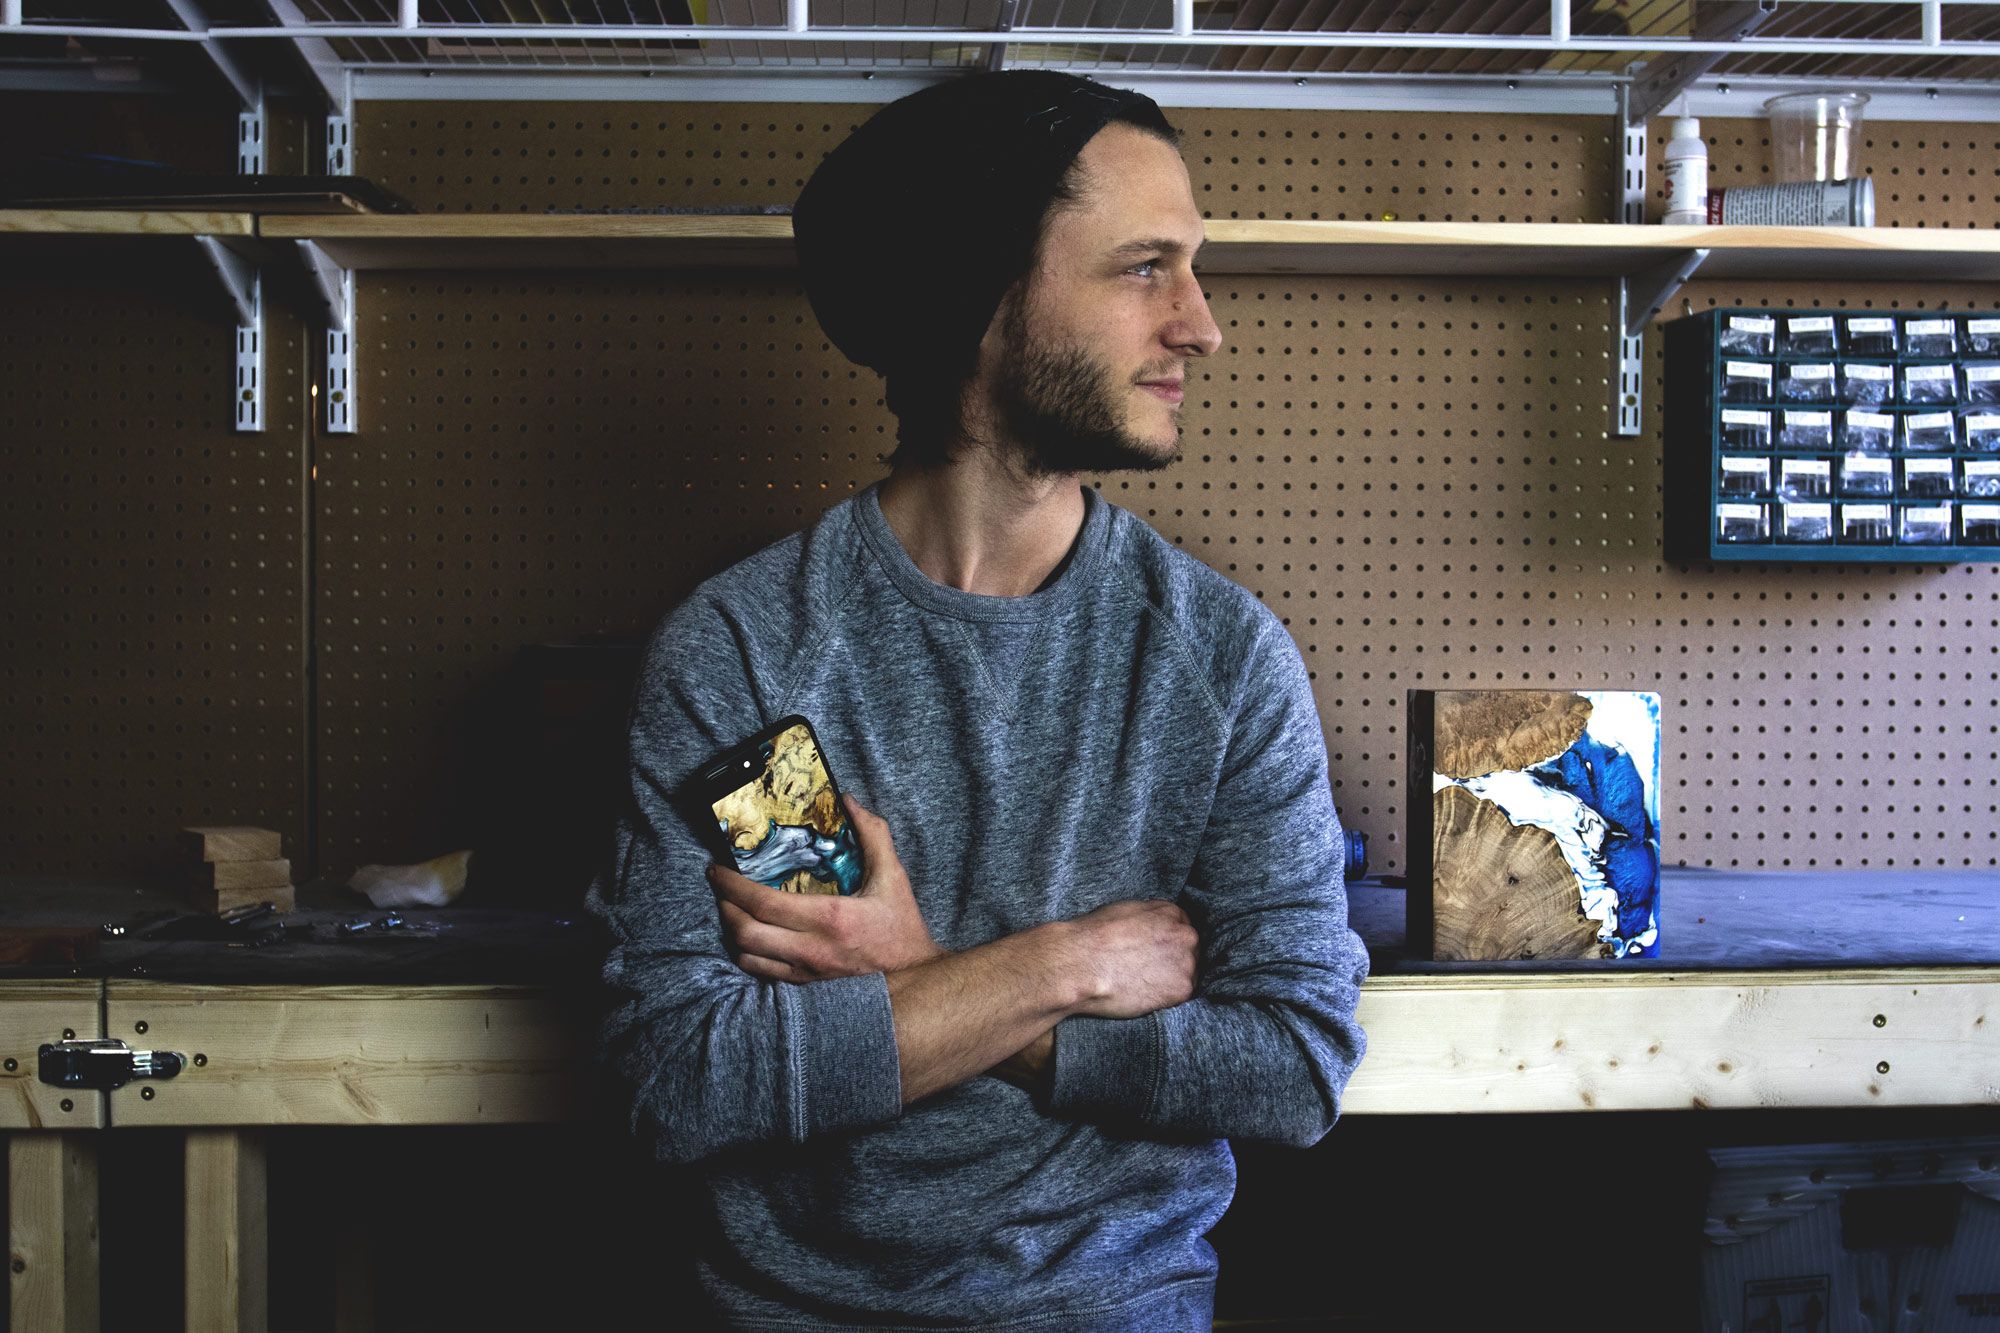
{"x":373,"y":242}
{"x":106,"y":222}
{"x":1500,"y":249}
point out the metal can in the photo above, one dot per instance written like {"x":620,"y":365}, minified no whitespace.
{"x":1841,"y":203}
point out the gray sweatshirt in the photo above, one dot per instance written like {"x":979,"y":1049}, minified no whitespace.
{"x":1140,"y":727}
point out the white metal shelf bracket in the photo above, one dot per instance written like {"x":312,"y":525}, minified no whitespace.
{"x":1641,"y":296}
{"x":250,"y":142}
{"x":339,"y":145}
{"x":245,"y":286}
{"x":336,"y":289}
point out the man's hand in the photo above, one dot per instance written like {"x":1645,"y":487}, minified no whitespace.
{"x":1134,"y":957}
{"x":810,"y":937}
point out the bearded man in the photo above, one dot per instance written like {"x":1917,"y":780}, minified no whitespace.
{"x":1103,"y":925}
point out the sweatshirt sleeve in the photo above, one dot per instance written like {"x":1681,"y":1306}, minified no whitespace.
{"x":707,"y":1056}
{"x":1267,"y":1044}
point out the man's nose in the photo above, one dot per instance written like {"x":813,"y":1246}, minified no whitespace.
{"x":1194,"y":329}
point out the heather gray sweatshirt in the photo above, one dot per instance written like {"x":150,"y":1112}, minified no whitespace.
{"x":1140,"y":727}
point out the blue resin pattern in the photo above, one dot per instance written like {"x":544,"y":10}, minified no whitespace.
{"x":789,"y":848}
{"x":1599,"y":800}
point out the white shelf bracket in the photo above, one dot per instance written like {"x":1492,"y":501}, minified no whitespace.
{"x":1641,"y":296}
{"x":336,"y":289}
{"x":250,"y":142}
{"x":339,"y":145}
{"x":246,"y":292}
{"x":1632,"y":161}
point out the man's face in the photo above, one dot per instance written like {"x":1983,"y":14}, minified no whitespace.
{"x":1112,"y":305}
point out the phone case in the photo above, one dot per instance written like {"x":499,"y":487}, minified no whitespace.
{"x":784,"y":825}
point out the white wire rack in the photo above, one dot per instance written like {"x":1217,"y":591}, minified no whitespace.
{"x":1354,"y":52}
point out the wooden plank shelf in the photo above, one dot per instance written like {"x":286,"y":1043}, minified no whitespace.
{"x":111,"y":222}
{"x":458,"y":241}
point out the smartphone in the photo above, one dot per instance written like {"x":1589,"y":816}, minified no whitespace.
{"x":776,"y":812}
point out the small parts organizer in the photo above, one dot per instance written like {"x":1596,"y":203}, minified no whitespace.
{"x":1833,"y":435}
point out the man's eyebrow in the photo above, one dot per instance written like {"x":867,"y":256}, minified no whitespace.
{"x":1160,"y":246}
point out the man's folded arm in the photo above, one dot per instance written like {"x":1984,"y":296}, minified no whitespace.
{"x":706,"y":1056}
{"x":1266,"y":1047}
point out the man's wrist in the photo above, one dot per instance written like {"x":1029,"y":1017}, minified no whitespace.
{"x":1064,"y":964}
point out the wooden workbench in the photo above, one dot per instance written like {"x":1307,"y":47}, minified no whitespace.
{"x":1849,"y":989}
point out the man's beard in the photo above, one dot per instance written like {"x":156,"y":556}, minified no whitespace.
{"x":1062,"y":409}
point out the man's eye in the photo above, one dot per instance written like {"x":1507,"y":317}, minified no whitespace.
{"x":1150,"y":263}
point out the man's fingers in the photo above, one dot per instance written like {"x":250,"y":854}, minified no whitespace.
{"x":774,"y":942}
{"x":869,"y":827}
{"x":770,"y":969}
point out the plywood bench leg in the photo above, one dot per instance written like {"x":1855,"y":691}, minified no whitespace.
{"x":52,"y":1231}
{"x":227,"y":1280}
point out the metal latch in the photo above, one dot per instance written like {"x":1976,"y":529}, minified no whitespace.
{"x":103,"y":1064}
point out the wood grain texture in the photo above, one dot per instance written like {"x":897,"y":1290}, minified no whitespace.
{"x":1678,"y":1041}
{"x":233,"y":842}
{"x":1502,"y":890}
{"x":1235,"y":246}
{"x":89,"y":221}
{"x":227,"y":1237}
{"x":34,"y":1012}
{"x":52,"y":1232}
{"x":1482,"y":731}
{"x":356,"y":1055}
{"x":217,"y":901}
{"x":1437,"y":1044}
{"x":231,"y":876}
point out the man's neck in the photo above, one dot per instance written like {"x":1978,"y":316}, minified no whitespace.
{"x":976,"y":526}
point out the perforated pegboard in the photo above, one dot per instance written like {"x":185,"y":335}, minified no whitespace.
{"x":152,"y":569}
{"x":153,"y":566}
{"x":1414,"y":473}
{"x":481,"y":157}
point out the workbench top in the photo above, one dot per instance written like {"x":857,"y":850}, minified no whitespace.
{"x":1711,"y":920}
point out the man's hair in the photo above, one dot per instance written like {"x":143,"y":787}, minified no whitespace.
{"x":927,"y":406}
{"x":918,"y":225}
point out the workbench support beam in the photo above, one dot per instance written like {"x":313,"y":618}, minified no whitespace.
{"x":227,"y":1234}
{"x":52,"y":1232}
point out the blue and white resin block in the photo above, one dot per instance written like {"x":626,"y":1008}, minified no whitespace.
{"x":1540,"y":837}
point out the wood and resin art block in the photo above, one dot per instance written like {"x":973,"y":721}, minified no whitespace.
{"x":1534,"y":824}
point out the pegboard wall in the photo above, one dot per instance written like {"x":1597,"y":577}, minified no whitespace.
{"x":1415,"y":473}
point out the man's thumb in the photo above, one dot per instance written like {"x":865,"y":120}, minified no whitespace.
{"x":863,"y":819}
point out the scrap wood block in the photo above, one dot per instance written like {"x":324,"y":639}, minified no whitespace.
{"x":226,"y":875}
{"x":1534,"y":824}
{"x":233,"y":842}
{"x":218,"y":901}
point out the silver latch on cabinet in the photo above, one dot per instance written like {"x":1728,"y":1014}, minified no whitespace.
{"x":103,"y":1064}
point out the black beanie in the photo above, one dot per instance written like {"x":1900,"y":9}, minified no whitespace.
{"x":915,"y":226}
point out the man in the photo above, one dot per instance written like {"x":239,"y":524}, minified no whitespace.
{"x":1103,"y":923}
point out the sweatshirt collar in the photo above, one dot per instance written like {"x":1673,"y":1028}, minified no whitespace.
{"x":918,"y":587}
